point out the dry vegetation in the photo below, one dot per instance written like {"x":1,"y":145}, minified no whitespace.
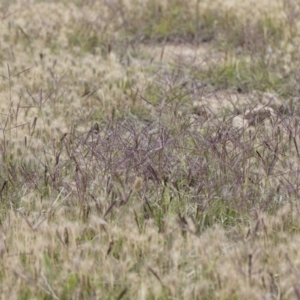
{"x":149,"y":149}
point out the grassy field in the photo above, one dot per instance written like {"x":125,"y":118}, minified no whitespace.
{"x":149,"y":149}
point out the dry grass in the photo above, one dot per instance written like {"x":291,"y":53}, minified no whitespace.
{"x":149,"y":149}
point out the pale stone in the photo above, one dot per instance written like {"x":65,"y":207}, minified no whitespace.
{"x":239,"y":122}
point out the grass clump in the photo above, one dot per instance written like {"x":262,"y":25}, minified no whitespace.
{"x":131,"y":167}
{"x":244,"y":75}
{"x":169,"y":21}
{"x":196,"y":22}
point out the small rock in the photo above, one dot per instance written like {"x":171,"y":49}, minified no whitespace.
{"x":239,"y":122}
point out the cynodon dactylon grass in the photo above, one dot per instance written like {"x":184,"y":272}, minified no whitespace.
{"x":149,"y":149}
